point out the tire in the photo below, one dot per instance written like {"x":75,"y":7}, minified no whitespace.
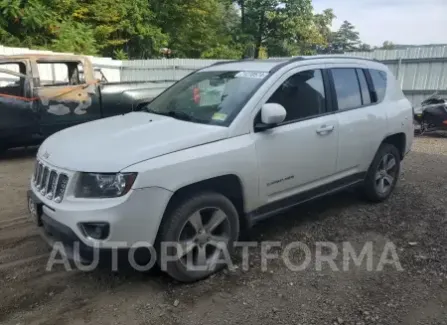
{"x":181,"y":226}
{"x":372,"y":185}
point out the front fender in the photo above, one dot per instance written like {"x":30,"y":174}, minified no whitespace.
{"x":234,"y":156}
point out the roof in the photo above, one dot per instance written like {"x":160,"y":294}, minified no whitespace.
{"x":271,"y":64}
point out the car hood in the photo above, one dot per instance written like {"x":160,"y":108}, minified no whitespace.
{"x":111,"y":144}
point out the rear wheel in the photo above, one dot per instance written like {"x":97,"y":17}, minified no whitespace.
{"x":196,"y":233}
{"x":383,"y":173}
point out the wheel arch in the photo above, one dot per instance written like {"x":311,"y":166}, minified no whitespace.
{"x":229,"y":185}
{"x":399,"y":140}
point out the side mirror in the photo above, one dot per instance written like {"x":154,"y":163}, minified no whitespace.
{"x":272,"y":113}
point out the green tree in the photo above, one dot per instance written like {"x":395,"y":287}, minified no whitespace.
{"x":285,"y":27}
{"x":128,"y":26}
{"x":198,"y":28}
{"x":365,"y":47}
{"x":346,"y":39}
{"x":73,"y":37}
{"x":23,"y":23}
{"x":323,"y":23}
{"x":139,"y":29}
{"x":44,"y":25}
{"x":387,"y":45}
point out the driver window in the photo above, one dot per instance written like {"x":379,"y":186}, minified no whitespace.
{"x":10,"y":83}
{"x":302,"y":95}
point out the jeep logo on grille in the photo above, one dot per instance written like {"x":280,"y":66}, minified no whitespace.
{"x":46,"y":155}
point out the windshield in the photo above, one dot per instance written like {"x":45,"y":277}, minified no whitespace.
{"x":209,"y":97}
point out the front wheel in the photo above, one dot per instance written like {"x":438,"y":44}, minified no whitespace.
{"x":383,"y":173}
{"x":198,"y":236}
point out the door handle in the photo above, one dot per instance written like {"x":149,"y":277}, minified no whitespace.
{"x":325,"y":129}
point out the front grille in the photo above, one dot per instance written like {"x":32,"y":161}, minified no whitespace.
{"x":50,"y":182}
{"x":39,"y":175}
{"x":60,"y":188}
{"x":44,"y":181}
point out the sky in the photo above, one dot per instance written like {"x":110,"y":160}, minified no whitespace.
{"x":398,"y":21}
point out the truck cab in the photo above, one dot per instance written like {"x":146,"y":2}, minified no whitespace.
{"x":43,"y":94}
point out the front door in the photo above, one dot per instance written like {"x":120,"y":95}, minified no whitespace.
{"x":65,"y":97}
{"x":300,"y":153}
{"x":18,"y":119}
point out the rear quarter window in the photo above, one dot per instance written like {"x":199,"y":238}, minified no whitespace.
{"x":380,"y":81}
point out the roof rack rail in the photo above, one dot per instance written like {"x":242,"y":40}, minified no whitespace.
{"x":222,"y":62}
{"x":341,"y":56}
{"x":281,"y":65}
{"x":212,"y":65}
{"x":229,"y":61}
{"x":322,"y":56}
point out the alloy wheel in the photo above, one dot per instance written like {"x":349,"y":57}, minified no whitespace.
{"x":386,"y":174}
{"x":202,"y":238}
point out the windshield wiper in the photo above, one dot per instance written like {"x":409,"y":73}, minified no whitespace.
{"x":180,"y":115}
{"x":150,"y":110}
{"x":177,"y":115}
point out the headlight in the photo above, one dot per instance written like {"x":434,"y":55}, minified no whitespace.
{"x":93,"y":185}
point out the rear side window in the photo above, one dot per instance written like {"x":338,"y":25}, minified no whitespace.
{"x":347,"y":88}
{"x":366,"y":97}
{"x":60,"y":73}
{"x":379,"y":80}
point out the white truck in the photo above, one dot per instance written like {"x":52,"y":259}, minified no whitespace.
{"x":220,"y":150}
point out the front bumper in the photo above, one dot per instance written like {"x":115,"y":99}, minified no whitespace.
{"x":132,"y":220}
{"x":75,"y":249}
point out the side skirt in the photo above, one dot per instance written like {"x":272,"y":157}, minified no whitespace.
{"x":277,"y":207}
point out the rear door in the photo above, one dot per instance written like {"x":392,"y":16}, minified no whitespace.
{"x":18,"y":118}
{"x":362,"y":119}
{"x":66,"y":98}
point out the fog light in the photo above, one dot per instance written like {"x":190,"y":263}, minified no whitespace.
{"x":95,"y":230}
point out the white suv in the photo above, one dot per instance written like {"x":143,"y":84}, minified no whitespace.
{"x":220,"y":150}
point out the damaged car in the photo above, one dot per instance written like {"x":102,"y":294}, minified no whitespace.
{"x":43,"y":94}
{"x":432,"y":114}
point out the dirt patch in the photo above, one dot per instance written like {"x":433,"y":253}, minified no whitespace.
{"x":414,"y":219}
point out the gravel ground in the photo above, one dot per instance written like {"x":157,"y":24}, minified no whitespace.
{"x":414,"y":219}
